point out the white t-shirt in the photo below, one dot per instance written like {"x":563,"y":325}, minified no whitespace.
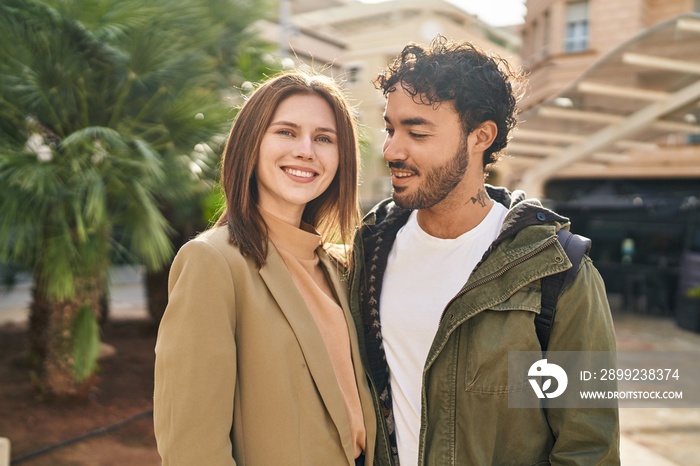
{"x":422,"y":275}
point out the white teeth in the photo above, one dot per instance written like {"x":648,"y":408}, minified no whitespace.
{"x":299,"y":173}
{"x":402,"y":175}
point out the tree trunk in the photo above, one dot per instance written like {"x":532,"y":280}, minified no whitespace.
{"x":157,"y":293}
{"x":51,"y":339}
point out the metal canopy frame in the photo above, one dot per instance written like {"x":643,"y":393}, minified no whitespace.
{"x":629,"y":115}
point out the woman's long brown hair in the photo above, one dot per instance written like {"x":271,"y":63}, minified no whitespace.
{"x":335,"y":213}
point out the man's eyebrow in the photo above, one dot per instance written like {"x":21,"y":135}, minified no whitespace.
{"x":415,"y":121}
{"x":294,"y":125}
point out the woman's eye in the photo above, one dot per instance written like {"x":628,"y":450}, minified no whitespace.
{"x":325,"y":139}
{"x":284,"y":132}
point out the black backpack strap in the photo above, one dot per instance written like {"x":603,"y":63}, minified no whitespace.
{"x":576,"y":247}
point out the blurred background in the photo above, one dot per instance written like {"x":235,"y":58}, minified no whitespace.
{"x":113,"y":115}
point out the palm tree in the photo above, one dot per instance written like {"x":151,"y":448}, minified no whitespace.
{"x":240,"y":57}
{"x":102,"y":104}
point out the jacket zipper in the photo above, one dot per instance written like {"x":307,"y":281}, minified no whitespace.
{"x":497,"y":274}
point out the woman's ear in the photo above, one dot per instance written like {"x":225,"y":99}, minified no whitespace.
{"x":484,"y":135}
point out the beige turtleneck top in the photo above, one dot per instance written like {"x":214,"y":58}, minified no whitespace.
{"x":297,"y":247}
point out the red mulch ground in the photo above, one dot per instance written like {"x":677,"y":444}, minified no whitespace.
{"x":124,"y":391}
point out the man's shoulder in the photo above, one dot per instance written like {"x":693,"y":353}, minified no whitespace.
{"x":384,"y":212}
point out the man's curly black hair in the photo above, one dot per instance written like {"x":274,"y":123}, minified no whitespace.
{"x":482,"y":86}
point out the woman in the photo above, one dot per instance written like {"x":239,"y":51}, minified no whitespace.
{"x":257,"y":361}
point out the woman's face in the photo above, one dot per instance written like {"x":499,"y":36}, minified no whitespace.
{"x":298,"y":156}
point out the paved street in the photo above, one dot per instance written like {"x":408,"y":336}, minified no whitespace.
{"x":650,"y":436}
{"x":660,"y":436}
{"x":126,"y":292}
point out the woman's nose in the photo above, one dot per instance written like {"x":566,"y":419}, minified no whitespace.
{"x":304,"y":149}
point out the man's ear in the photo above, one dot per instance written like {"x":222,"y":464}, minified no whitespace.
{"x":484,"y":135}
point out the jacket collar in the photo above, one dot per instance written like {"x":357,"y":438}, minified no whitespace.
{"x":522,"y":212}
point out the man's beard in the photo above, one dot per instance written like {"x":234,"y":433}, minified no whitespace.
{"x":437,"y":183}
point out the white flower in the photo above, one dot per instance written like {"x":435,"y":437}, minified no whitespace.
{"x":36,"y":144}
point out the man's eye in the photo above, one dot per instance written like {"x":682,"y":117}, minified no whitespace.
{"x":418,"y":136}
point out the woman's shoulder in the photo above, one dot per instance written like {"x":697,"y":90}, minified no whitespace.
{"x":214,"y":235}
{"x":216,"y":240}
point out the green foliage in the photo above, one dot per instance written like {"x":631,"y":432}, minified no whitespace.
{"x":213,"y":205}
{"x":103,"y":106}
{"x":693,"y":292}
{"x":85,"y":342}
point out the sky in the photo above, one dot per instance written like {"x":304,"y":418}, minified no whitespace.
{"x":493,"y":12}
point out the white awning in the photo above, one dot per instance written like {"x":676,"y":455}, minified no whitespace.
{"x":631,"y":114}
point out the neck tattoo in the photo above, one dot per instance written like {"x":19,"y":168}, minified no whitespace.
{"x":481,"y":197}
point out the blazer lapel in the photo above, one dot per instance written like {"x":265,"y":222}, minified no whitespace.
{"x":294,"y":308}
{"x":341,"y":291}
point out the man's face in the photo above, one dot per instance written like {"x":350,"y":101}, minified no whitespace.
{"x":425,"y":148}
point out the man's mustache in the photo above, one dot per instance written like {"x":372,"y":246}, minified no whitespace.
{"x":401,"y":165}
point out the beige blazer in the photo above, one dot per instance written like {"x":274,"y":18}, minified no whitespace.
{"x":242,"y":375}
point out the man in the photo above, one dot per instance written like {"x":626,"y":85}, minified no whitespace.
{"x":447,"y":279}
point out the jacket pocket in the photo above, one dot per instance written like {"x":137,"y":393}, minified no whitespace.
{"x":490,"y":335}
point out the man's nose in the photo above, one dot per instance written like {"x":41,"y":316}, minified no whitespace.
{"x":393,"y":148}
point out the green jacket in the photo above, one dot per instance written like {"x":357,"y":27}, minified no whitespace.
{"x":465,"y":417}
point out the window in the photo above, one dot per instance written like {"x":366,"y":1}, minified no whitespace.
{"x":352,"y":73}
{"x":534,"y":44}
{"x":576,"y":27}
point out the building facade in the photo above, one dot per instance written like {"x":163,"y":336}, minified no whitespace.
{"x":563,"y":38}
{"x":609,"y":135}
